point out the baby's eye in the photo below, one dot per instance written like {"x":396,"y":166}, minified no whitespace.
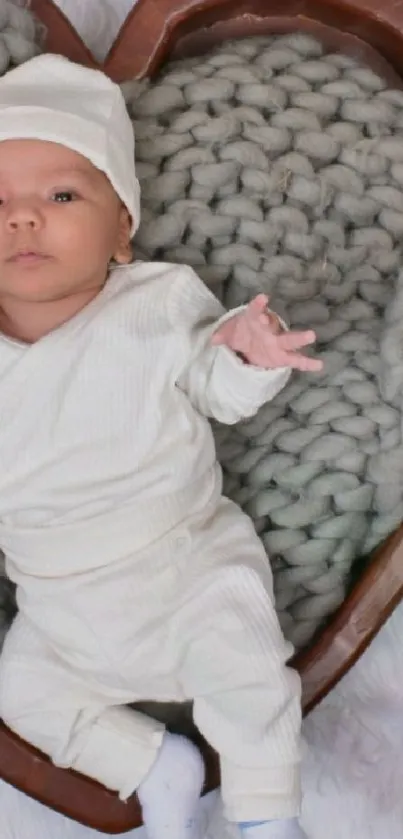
{"x":64,"y":196}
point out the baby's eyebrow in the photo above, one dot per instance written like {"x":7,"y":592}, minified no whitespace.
{"x":71,"y":172}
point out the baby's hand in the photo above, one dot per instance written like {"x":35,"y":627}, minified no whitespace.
{"x":258,"y":336}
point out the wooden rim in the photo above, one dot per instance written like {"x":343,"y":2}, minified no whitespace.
{"x":155,"y":29}
{"x":371,"y":30}
{"x":350,"y":631}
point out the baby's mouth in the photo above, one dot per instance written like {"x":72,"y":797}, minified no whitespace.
{"x":27,"y":256}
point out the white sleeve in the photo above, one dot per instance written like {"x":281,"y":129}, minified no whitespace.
{"x":217,"y":382}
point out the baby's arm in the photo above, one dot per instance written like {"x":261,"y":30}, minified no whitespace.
{"x":231,"y":362}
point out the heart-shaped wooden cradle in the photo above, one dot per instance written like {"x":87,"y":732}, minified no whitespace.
{"x":371,"y":30}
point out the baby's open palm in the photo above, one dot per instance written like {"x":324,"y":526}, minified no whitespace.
{"x":257,"y":335}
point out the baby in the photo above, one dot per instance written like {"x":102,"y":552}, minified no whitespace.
{"x":136,"y":579}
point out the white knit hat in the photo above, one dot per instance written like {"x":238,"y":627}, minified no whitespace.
{"x":51,"y":98}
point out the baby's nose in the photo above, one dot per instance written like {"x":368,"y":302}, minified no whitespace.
{"x":23,"y":214}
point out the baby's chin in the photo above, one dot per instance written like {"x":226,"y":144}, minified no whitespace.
{"x":32,"y":292}
{"x":43,"y":286}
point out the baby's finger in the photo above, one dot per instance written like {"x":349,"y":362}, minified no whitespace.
{"x":271,"y":321}
{"x":304,"y":363}
{"x":275,"y":323}
{"x":258,"y":305}
{"x":295,"y":340}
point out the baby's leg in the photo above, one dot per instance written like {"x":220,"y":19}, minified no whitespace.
{"x":233,"y":662}
{"x":53,"y":708}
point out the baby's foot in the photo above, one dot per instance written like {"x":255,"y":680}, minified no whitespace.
{"x":170,"y":793}
{"x":281,"y":829}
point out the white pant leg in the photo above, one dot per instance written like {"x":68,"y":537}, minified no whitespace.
{"x":233,"y":663}
{"x":50,"y":706}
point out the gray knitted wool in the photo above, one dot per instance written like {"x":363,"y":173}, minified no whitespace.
{"x":268,"y":165}
{"x":20,"y":34}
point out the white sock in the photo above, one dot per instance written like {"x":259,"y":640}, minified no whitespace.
{"x":170,"y":793}
{"x":279,"y":829}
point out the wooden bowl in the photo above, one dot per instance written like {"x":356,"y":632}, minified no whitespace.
{"x":372,"y":31}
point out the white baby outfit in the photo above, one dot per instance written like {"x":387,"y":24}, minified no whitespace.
{"x":136,"y":579}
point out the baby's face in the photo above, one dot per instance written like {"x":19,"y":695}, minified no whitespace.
{"x":61,"y":222}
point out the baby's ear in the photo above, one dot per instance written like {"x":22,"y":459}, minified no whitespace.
{"x":123,"y":252}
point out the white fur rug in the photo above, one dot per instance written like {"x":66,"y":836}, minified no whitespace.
{"x":353,"y":768}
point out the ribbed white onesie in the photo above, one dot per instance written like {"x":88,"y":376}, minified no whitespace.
{"x":136,"y":578}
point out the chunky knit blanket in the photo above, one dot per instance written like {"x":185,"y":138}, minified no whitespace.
{"x":20,"y":34}
{"x":268,"y":165}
